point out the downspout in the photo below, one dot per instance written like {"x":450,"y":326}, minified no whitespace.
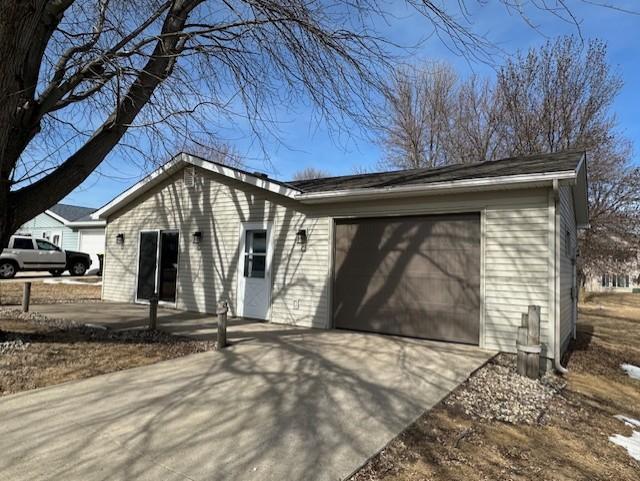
{"x":556,"y":280}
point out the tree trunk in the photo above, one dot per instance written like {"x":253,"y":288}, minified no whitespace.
{"x":25,"y":30}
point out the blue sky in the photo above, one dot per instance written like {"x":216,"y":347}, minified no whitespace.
{"x":304,"y":141}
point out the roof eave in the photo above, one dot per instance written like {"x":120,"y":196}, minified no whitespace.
{"x":173,"y":166}
{"x":87,"y":223}
{"x":448,"y":187}
{"x":581,"y":194}
{"x":57,"y":217}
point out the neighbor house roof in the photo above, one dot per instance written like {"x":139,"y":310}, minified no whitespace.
{"x":515,"y":172}
{"x":73,"y":215}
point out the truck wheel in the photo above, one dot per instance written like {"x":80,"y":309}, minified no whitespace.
{"x":78,"y":268}
{"x":56,"y":272}
{"x":8,"y":269}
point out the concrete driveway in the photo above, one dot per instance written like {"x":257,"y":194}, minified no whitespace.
{"x":280,"y":404}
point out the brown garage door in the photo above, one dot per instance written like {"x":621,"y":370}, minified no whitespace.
{"x":410,"y":276}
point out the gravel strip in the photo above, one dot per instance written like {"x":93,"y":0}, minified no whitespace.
{"x":9,"y":347}
{"x":497,"y":392}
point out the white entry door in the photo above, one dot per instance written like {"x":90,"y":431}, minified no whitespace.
{"x":254,"y":271}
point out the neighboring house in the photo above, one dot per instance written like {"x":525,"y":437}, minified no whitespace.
{"x":454,"y":253}
{"x":624,"y":279}
{"x":70,"y":227}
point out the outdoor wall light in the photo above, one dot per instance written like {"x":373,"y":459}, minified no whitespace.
{"x":197,"y":237}
{"x":301,"y":238}
{"x":120,"y":239}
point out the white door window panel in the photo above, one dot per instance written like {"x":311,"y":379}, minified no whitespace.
{"x":254,"y":271}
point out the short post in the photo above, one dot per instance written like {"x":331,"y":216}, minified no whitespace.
{"x":521,"y":340}
{"x":26,"y":296}
{"x":153,"y":312}
{"x":222,"y":310}
{"x":528,"y":344}
{"x":533,"y":340}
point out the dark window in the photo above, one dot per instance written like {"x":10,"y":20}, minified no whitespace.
{"x":26,"y":244}
{"x":255,"y":253}
{"x":147,"y":262}
{"x":44,"y":245}
{"x":168,"y":266}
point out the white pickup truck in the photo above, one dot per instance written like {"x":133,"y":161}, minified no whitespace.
{"x":25,"y":253}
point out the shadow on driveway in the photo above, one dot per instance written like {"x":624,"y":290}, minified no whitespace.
{"x":285,"y":404}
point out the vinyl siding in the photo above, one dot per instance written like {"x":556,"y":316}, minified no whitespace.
{"x":44,"y":222}
{"x":514,"y":248}
{"x":208,"y":273}
{"x":568,"y":246}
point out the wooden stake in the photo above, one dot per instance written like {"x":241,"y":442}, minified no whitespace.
{"x":533,"y":339}
{"x":153,"y":312}
{"x":520,"y":343}
{"x":26,"y":296}
{"x":222,"y":310}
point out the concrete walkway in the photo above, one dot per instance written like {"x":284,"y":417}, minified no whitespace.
{"x":281,"y":404}
{"x":120,"y":315}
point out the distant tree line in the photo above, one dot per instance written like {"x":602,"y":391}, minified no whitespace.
{"x":554,"y":98}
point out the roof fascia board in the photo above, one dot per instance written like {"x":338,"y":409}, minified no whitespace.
{"x":173,"y":165}
{"x":56,"y":217}
{"x":138,"y":188}
{"x":487,"y":183}
{"x":242,"y":176}
{"x":581,"y":194}
{"x":88,"y":223}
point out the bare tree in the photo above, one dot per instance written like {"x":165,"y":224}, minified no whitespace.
{"x":559,"y":97}
{"x":476,"y":129}
{"x":80,"y":78}
{"x":613,"y":237}
{"x":309,"y":173}
{"x":217,"y":151}
{"x":415,"y":122}
{"x":553,"y":98}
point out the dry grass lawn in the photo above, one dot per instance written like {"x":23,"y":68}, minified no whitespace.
{"x":41,"y":293}
{"x":55,"y":354}
{"x":571,"y":441}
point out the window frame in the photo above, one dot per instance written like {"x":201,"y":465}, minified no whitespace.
{"x":250,"y":254}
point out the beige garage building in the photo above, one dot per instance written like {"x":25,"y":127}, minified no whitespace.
{"x":454,"y":253}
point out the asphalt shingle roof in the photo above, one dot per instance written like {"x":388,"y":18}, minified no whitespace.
{"x":72,"y":212}
{"x":531,"y":164}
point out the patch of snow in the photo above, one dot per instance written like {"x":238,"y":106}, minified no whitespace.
{"x":72,"y":282}
{"x":633,"y":423}
{"x":632,"y":371}
{"x":630,"y":443}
